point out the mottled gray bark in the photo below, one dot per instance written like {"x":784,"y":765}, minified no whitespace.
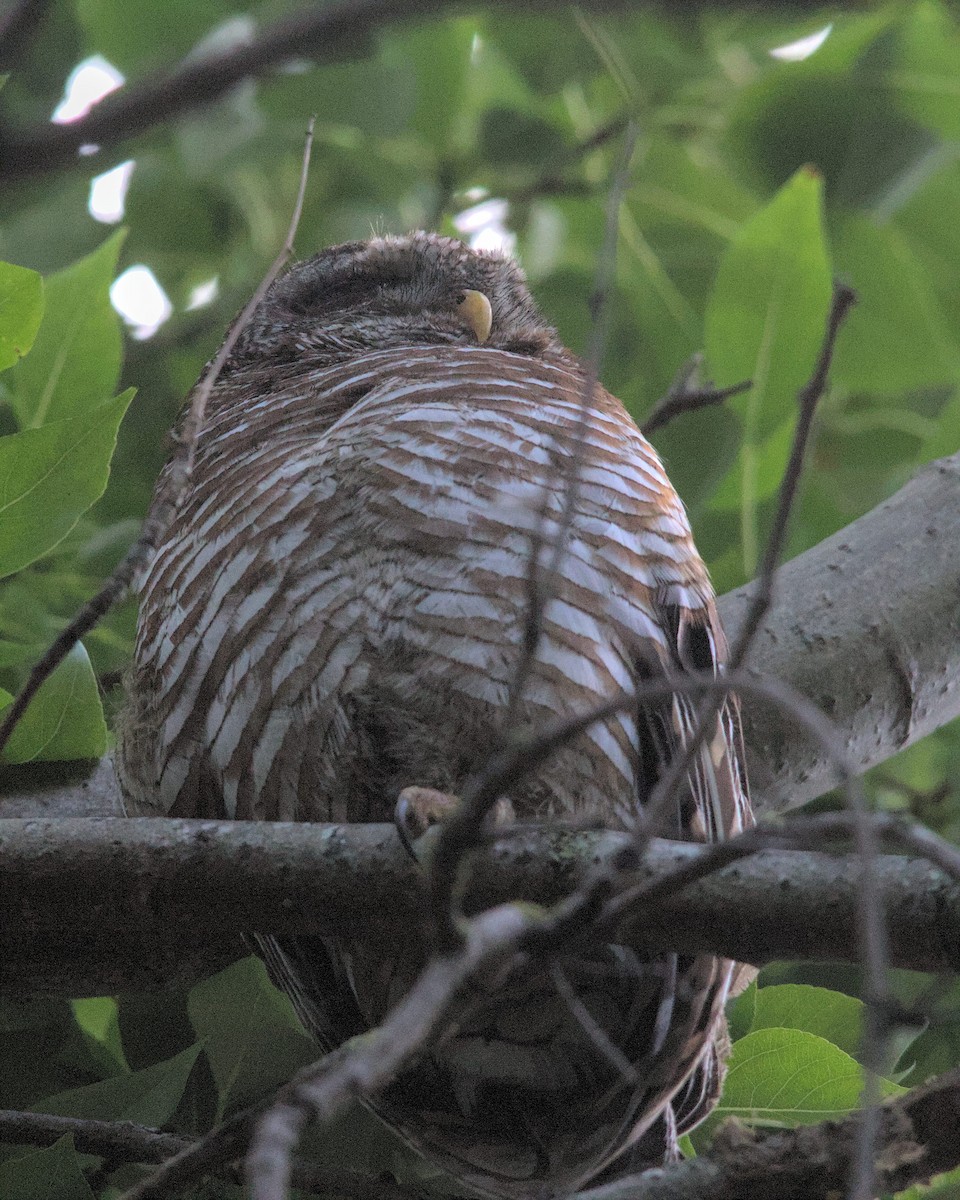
{"x":146,"y":903}
{"x":867,"y":625}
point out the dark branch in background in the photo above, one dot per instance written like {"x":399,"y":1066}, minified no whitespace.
{"x":341,"y":30}
{"x":687,"y":395}
{"x":125,"y":1141}
{"x":18,"y":25}
{"x":148,"y":903}
{"x":553,"y":183}
{"x":918,"y":1137}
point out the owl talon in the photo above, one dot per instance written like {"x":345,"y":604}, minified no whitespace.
{"x":417,"y":810}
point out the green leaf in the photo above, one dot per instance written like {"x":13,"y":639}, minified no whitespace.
{"x":791,"y":1077}
{"x":765,"y":321}
{"x":49,"y":477}
{"x":21,"y":308}
{"x":75,"y":360}
{"x":927,"y":78}
{"x":53,"y":1173}
{"x":250,"y":1033}
{"x":163,"y":31}
{"x":65,"y":718}
{"x":766,"y":460}
{"x":97,"y":1018}
{"x":944,"y":1187}
{"x":148,"y":1097}
{"x":831,"y":1015}
{"x":508,"y":138}
{"x":441,"y":55}
{"x":896,"y":338}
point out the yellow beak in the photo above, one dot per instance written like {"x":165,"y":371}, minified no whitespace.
{"x":475,"y":309}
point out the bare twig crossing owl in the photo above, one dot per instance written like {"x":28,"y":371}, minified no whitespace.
{"x":337,"y":613}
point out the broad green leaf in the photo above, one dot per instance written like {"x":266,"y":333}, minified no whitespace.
{"x":97,"y":1018}
{"x":53,"y":1173}
{"x":897,"y":338}
{"x":791,"y":1077}
{"x":21,"y":308}
{"x":508,"y":138}
{"x":441,"y":54}
{"x":163,"y":31}
{"x":36,"y":1040}
{"x":679,"y":188}
{"x":75,"y":360}
{"x":831,"y":1015}
{"x":764,"y":462}
{"x":50,"y":476}
{"x":927,"y":78}
{"x":944,"y":1187}
{"x":765,"y":321}
{"x":836,"y":111}
{"x":64,"y":720}
{"x":250,"y":1033}
{"x":148,"y":1097}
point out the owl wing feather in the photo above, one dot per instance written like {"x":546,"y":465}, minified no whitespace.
{"x":336,"y":613}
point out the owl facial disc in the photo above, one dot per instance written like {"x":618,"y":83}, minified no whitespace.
{"x":475,"y":309}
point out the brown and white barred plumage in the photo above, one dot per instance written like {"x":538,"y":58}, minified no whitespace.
{"x":336,"y":613}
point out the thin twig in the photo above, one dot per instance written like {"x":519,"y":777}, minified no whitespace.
{"x":684,"y":396}
{"x":125,"y":1141}
{"x":585,"y":1019}
{"x":809,"y":396}
{"x":168,"y":499}
{"x":552,"y":182}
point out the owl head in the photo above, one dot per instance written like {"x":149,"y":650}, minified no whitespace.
{"x":416,"y":290}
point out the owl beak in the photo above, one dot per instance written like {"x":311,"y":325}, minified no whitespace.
{"x":476,"y":310}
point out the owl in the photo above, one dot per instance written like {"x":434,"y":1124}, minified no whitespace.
{"x":332,"y":628}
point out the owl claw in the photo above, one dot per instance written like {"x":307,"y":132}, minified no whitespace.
{"x":417,"y":810}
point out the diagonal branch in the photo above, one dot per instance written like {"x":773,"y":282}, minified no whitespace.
{"x":333,"y":32}
{"x":125,"y":1141}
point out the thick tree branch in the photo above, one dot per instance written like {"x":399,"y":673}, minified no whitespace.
{"x":149,"y":903}
{"x":867,"y":626}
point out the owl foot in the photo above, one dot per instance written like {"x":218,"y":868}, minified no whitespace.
{"x":417,"y":810}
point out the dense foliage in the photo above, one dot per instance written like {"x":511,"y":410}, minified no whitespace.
{"x":755,"y":180}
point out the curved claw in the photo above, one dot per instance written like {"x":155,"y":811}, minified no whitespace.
{"x":417,"y":810}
